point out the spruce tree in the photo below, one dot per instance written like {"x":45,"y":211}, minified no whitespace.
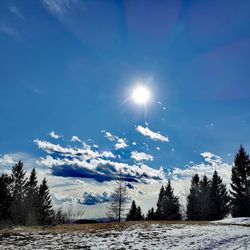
{"x":139,"y":215}
{"x":18,"y":194}
{"x":151,"y":214}
{"x":240,"y":193}
{"x":168,"y":207}
{"x":193,"y":210}
{"x":5,"y":198}
{"x":204,"y":198}
{"x":219,"y":199}
{"x":159,"y":210}
{"x":132,"y":212}
{"x":32,"y":200}
{"x":46,"y":211}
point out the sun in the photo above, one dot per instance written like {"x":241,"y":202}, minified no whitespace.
{"x":141,"y":95}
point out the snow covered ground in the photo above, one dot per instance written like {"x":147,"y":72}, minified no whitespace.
{"x":234,"y":221}
{"x":135,"y":236}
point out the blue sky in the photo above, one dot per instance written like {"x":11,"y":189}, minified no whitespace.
{"x":70,"y":66}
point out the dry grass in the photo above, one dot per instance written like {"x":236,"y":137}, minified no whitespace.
{"x":94,"y":227}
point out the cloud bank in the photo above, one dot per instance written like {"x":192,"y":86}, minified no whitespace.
{"x":86,"y":162}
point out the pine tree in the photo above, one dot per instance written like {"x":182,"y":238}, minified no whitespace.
{"x":5,"y":198}
{"x":168,"y":207}
{"x":193,"y":210}
{"x":18,"y":194}
{"x":32,"y":200}
{"x":119,"y":199}
{"x":46,"y":211}
{"x":219,"y":199}
{"x":151,"y":214}
{"x":204,"y":198}
{"x":240,"y":194}
{"x":132,"y":212}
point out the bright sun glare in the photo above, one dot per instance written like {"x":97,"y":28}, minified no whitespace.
{"x":141,"y":95}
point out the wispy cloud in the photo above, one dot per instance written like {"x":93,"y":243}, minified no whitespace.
{"x":6,"y":160}
{"x":54,"y":135}
{"x":16,"y":11}
{"x":75,"y":139}
{"x":152,"y":135}
{"x":7,"y":30}
{"x":59,"y":8}
{"x":141,"y":156}
{"x":210,"y":125}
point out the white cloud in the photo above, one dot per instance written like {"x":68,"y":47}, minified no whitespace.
{"x":59,"y":199}
{"x":7,"y":160}
{"x":152,"y":135}
{"x":140,"y":156}
{"x":107,"y":154}
{"x":84,"y":153}
{"x":75,"y":139}
{"x":158,"y":148}
{"x":110,"y":137}
{"x":10,"y":159}
{"x":91,"y":198}
{"x":120,"y":144}
{"x":54,"y":135}
{"x":134,"y":143}
{"x":181,"y":177}
{"x":101,"y":169}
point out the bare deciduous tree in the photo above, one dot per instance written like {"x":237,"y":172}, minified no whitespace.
{"x":119,"y":199}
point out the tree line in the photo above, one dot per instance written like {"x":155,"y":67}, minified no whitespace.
{"x":22,"y":200}
{"x":208,"y":199}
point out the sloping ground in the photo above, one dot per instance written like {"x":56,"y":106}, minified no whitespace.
{"x":234,"y":221}
{"x":134,"y":236}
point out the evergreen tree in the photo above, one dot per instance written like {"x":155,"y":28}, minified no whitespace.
{"x":132,"y":215}
{"x":168,"y":207}
{"x":5,"y":198}
{"x":119,"y":199}
{"x":219,"y":199}
{"x":193,"y":210}
{"x":18,"y":193}
{"x":32,"y":200}
{"x":139,"y":215}
{"x":159,"y":211}
{"x":204,"y":198}
{"x":151,"y":214}
{"x":240,"y":194}
{"x":46,"y":211}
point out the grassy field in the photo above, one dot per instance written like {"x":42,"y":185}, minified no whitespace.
{"x":94,"y":226}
